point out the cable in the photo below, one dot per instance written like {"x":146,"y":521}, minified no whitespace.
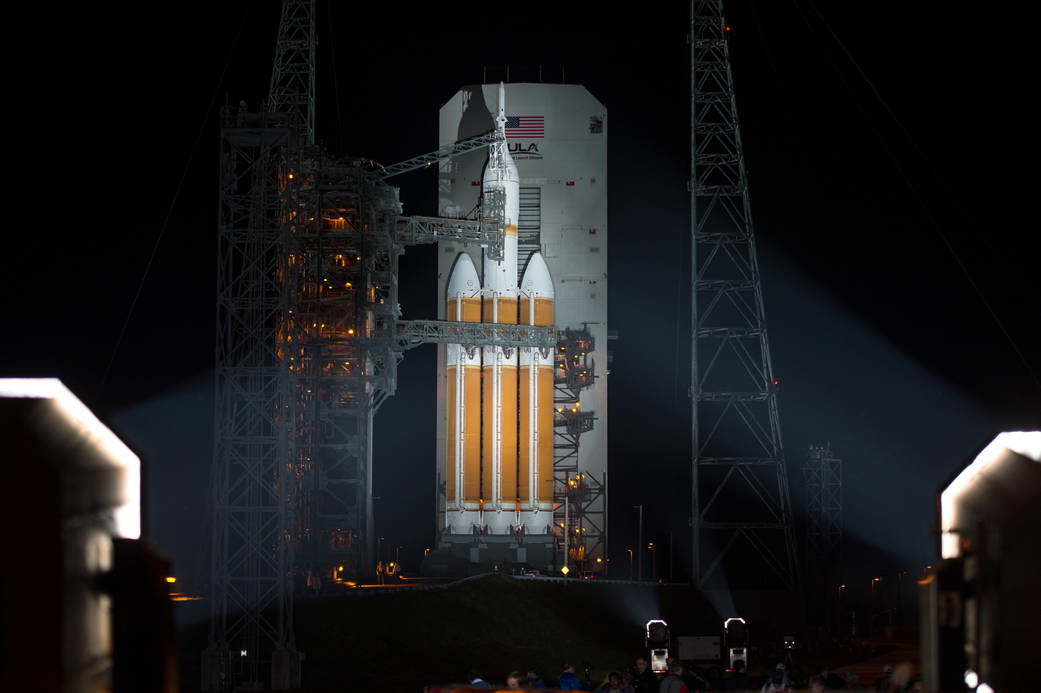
{"x":336,"y":80}
{"x":914,"y":190}
{"x":169,"y":213}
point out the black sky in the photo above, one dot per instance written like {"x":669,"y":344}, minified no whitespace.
{"x":892,"y":176}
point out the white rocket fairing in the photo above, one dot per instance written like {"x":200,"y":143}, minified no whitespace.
{"x":462,"y":487}
{"x":499,"y":474}
{"x":535,"y":469}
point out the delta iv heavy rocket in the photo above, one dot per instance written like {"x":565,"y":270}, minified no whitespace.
{"x":499,"y":476}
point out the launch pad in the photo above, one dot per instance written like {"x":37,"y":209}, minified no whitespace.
{"x":461,"y":554}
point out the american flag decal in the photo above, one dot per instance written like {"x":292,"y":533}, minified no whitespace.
{"x":525,"y":127}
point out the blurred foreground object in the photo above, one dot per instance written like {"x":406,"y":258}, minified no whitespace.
{"x":979,"y":608}
{"x":85,"y":602}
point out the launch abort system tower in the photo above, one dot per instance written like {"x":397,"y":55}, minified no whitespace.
{"x":556,"y":135}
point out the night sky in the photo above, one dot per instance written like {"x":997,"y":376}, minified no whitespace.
{"x":892,"y":171}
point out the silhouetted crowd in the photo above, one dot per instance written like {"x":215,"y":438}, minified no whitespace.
{"x":678,"y":678}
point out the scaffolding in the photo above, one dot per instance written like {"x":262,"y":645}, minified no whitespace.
{"x":337,"y":341}
{"x":741,"y":511}
{"x":415,"y":333}
{"x":579,"y":498}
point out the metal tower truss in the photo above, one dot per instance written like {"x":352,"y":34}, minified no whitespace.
{"x":447,"y":152}
{"x":253,"y":490}
{"x":584,"y":521}
{"x":741,"y":509}
{"x":291,"y":95}
{"x":340,"y":270}
{"x":474,"y":334}
{"x":822,"y":474}
{"x":488,"y":230}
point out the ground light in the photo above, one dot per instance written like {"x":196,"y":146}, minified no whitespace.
{"x":735,"y":635}
{"x":657,"y":641}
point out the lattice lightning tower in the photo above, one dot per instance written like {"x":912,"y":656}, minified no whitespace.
{"x":739,"y":491}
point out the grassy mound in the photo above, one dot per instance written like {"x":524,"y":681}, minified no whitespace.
{"x":404,"y":640}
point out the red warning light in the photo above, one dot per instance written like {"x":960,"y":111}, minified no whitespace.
{"x":728,"y":28}
{"x":777,"y":382}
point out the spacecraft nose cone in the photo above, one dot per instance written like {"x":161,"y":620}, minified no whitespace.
{"x":536,"y":279}
{"x":463,"y":278}
{"x":501,"y":169}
